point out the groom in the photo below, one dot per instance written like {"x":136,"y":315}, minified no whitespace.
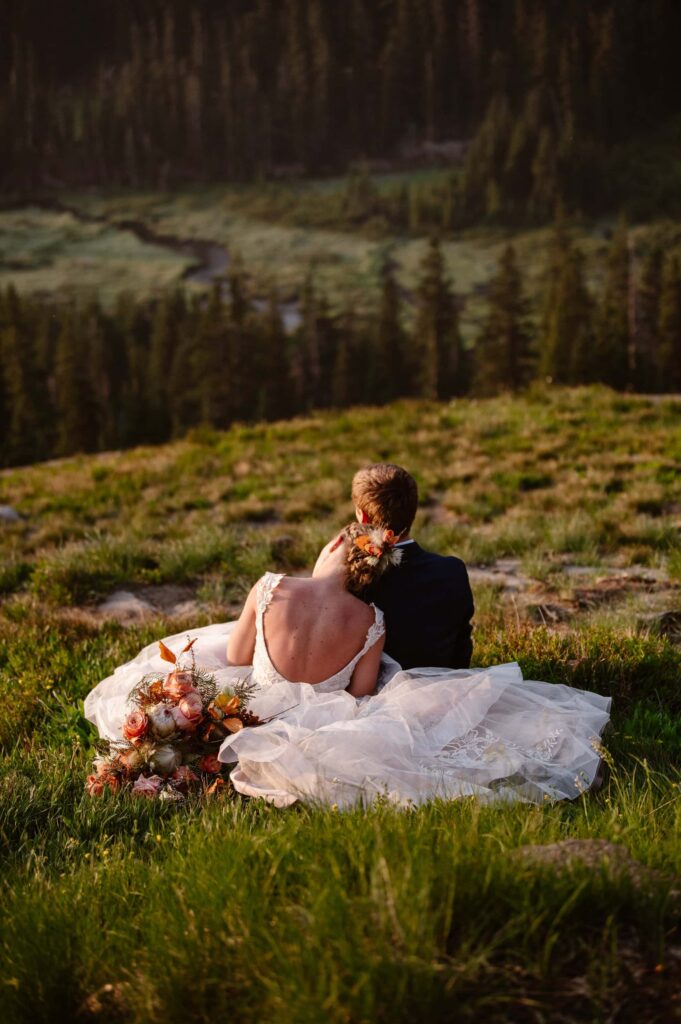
{"x":427,"y":599}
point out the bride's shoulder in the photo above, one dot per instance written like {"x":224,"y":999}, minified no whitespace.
{"x":363,"y":613}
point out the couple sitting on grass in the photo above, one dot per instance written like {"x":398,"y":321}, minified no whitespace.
{"x":362,"y":675}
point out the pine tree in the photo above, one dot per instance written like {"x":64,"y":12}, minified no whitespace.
{"x":389,"y":379}
{"x":309,"y":348}
{"x":75,"y":404}
{"x":21,"y":401}
{"x":567,"y":338}
{"x":272,"y":367}
{"x":437,"y":347}
{"x":166,"y":329}
{"x":647,"y":320}
{"x":612,"y":336}
{"x":213,"y":353}
{"x":342,"y":380}
{"x":669,"y":327}
{"x":503,"y":354}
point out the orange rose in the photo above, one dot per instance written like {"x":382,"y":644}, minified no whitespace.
{"x":178,"y":684}
{"x":135,"y":726}
{"x":94,"y":785}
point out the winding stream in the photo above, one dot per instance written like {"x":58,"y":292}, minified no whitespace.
{"x":211,"y":260}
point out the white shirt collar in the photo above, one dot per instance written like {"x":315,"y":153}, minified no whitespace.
{"x":401,"y":543}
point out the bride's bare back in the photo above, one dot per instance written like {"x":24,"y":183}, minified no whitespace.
{"x":312,"y":631}
{"x":313,"y":628}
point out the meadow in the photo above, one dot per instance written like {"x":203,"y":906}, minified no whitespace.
{"x":281,"y":233}
{"x":566,"y":506}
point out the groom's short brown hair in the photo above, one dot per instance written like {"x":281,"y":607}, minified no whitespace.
{"x":387,"y":494}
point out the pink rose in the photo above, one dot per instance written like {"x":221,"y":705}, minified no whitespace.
{"x":191,"y":706}
{"x":162,"y":721}
{"x":178,"y":684}
{"x":210,"y":764}
{"x":182,"y":722}
{"x":183,"y":777}
{"x":135,"y":725}
{"x":147,"y":786}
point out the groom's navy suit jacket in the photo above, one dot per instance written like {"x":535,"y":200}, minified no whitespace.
{"x":428,"y":607}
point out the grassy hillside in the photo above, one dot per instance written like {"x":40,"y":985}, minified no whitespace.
{"x":567,"y":507}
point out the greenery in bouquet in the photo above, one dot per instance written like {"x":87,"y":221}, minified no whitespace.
{"x":172,"y":733}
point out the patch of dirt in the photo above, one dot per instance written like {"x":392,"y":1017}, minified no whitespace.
{"x":134,"y":605}
{"x":552,"y":605}
{"x":608,"y":588}
{"x":504,"y":573}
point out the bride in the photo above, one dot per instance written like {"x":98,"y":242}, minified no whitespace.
{"x":346,"y":725}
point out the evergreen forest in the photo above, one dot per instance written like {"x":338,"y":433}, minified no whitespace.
{"x":529,"y":112}
{"x":548,"y":101}
{"x":79,"y":377}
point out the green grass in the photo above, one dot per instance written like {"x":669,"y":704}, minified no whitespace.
{"x":43,"y":252}
{"x":114,"y":909}
{"x":280,"y":244}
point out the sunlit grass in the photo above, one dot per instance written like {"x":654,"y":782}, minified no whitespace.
{"x":117,"y":909}
{"x":54,"y":254}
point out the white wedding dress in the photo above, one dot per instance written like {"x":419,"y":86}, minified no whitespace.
{"x":427,"y":733}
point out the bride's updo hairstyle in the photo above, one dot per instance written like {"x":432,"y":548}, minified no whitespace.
{"x":387,"y":495}
{"x":370,"y":551}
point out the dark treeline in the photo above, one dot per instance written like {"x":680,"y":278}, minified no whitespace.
{"x":79,"y":378}
{"x":167,"y":91}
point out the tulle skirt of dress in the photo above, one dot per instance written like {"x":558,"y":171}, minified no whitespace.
{"x":428,"y":733}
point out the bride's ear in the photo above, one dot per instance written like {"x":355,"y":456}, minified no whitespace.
{"x":335,"y":544}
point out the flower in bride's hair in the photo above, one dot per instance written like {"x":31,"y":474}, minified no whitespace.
{"x":178,"y":684}
{"x":162,"y":721}
{"x":164,"y":760}
{"x":135,"y":726}
{"x":147,"y":786}
{"x":378,"y":547}
{"x":369,"y":547}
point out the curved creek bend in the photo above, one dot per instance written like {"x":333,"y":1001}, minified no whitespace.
{"x":211,"y":260}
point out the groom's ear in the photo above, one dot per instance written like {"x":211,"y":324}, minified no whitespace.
{"x":362,"y":517}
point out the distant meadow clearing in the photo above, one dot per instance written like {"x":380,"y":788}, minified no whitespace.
{"x":282,"y":236}
{"x":566,"y":506}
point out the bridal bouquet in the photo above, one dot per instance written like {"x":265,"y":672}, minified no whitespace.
{"x":172,"y":733}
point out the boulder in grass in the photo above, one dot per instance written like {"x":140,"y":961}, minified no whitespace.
{"x":125,"y":606}
{"x":9,"y":514}
{"x":663,"y":624}
{"x":594,"y":854}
